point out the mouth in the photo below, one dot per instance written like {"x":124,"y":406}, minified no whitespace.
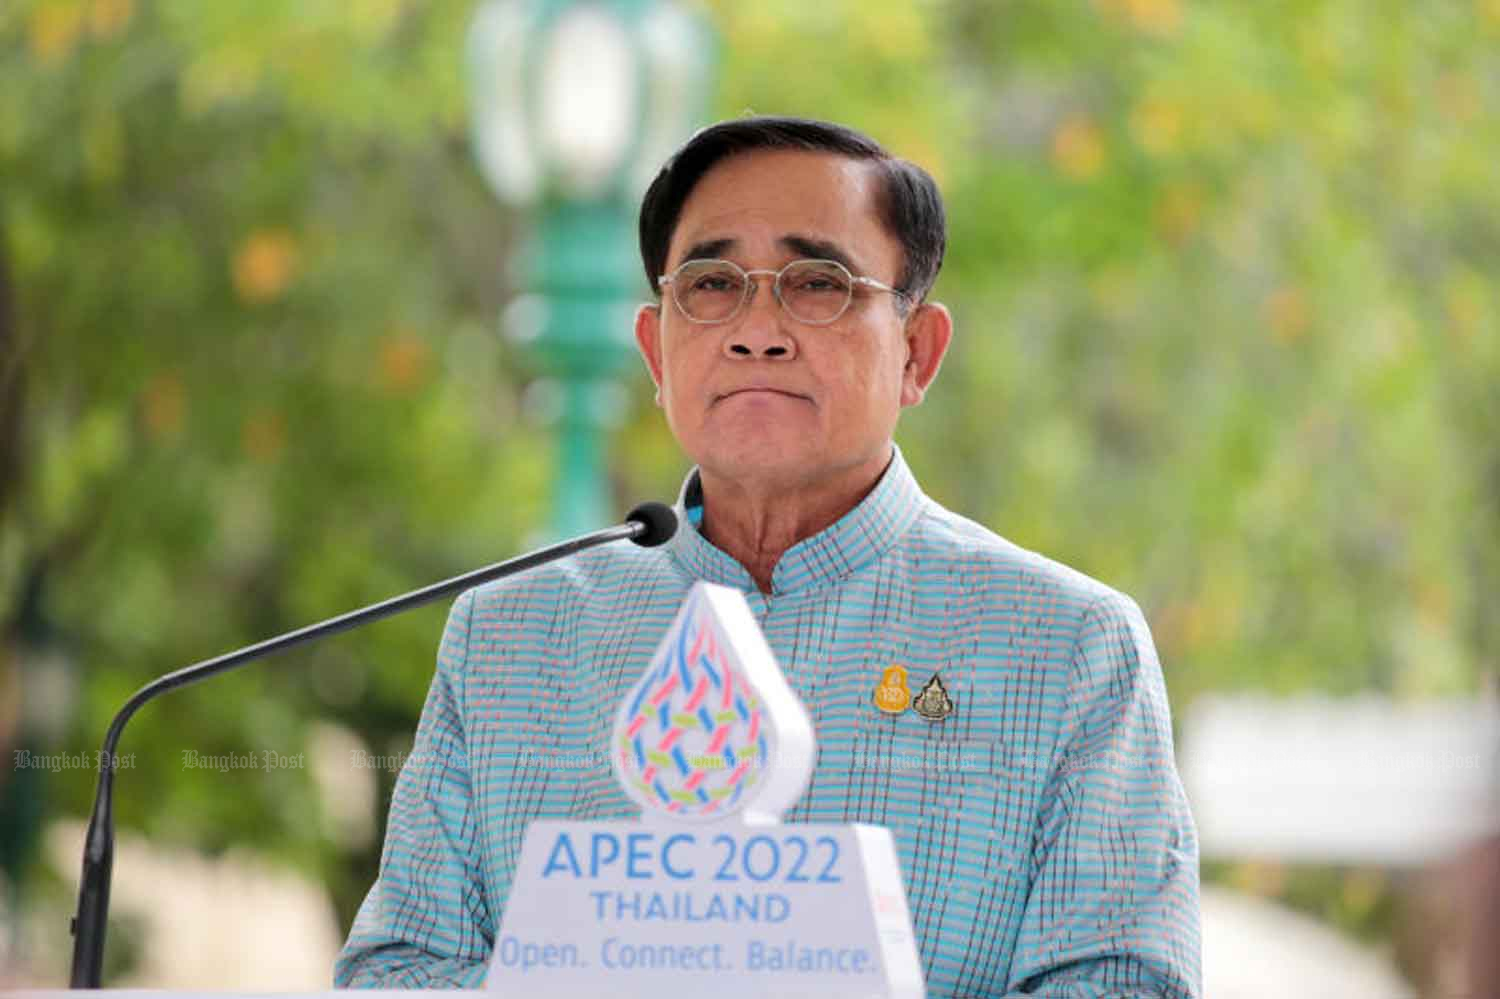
{"x":759,"y":390}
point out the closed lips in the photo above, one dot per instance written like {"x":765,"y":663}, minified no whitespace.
{"x":762,"y":388}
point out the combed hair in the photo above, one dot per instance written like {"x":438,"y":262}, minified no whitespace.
{"x":910,"y":206}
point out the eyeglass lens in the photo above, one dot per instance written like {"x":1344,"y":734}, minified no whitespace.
{"x":811,"y":291}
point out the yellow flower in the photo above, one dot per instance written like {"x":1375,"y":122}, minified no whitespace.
{"x":1157,"y":125}
{"x":1078,"y":148}
{"x":1287,"y":313}
{"x":163,"y":405}
{"x":53,"y":31}
{"x":263,"y":435}
{"x":1159,"y":17}
{"x":264,"y":265}
{"x":107,"y":18}
{"x":1178,"y":211}
{"x":404,"y":361}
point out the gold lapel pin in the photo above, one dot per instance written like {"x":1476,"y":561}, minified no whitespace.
{"x":892,"y":695}
{"x":933,"y":703}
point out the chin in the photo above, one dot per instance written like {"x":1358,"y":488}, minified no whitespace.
{"x":763,"y":459}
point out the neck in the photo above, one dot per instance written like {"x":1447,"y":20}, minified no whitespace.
{"x":756,"y":521}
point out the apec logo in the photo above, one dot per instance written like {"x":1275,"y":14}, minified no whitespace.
{"x":762,"y":858}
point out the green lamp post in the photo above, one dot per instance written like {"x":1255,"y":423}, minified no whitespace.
{"x":575,"y":104}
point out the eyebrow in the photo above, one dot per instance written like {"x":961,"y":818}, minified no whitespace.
{"x":806,"y":246}
{"x":820,"y":249}
{"x":709,"y":249}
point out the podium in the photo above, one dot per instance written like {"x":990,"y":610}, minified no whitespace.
{"x":709,"y":891}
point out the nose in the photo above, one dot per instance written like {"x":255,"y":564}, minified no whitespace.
{"x":760,"y":332}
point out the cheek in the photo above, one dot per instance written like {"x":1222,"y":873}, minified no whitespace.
{"x":866,"y":394}
{"x":880,"y":377}
{"x":681,"y":378}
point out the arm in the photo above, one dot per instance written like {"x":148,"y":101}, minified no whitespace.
{"x":1113,"y":907}
{"x":426,"y":922}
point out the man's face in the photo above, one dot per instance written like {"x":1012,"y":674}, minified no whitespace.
{"x":764,"y":399}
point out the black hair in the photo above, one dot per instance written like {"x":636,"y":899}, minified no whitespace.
{"x":910,"y":206}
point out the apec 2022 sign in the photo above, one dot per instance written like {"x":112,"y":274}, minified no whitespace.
{"x":708,"y":890}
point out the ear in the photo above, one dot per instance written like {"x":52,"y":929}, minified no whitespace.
{"x":928,"y":333}
{"x":648,"y":339}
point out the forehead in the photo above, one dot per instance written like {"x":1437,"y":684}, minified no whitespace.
{"x":758,"y":199}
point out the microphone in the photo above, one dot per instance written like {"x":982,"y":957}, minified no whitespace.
{"x":648,"y":525}
{"x":658,"y":523}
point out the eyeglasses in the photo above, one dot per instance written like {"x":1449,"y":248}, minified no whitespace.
{"x":815,"y":292}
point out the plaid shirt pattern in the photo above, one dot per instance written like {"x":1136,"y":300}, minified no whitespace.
{"x":1044,"y":837}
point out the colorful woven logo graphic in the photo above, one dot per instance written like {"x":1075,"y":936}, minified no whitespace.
{"x":691,"y":739}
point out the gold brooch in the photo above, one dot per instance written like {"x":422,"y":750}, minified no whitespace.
{"x":892,"y":695}
{"x":933,"y":703}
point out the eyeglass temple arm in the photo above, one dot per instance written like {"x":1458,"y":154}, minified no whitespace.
{"x":870,"y":282}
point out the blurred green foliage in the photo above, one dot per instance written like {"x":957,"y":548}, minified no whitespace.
{"x":1222,"y":275}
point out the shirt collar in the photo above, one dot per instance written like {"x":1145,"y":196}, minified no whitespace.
{"x":843,"y":548}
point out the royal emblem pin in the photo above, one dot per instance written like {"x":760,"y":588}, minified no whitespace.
{"x":933,"y":703}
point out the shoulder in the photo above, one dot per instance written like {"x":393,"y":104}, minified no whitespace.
{"x":994,"y":570}
{"x":1092,"y":636}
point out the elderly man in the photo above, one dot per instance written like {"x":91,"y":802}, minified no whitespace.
{"x":1003,"y":715}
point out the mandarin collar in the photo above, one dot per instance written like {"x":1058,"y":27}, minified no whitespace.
{"x":838,"y":551}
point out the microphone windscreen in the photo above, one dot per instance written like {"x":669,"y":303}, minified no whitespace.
{"x":659,"y":521}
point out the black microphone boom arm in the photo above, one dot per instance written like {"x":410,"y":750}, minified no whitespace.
{"x":649,"y":524}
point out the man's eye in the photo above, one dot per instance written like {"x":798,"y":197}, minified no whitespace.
{"x":818,"y":283}
{"x":715,"y":282}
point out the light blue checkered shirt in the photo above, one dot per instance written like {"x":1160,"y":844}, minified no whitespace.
{"x":1042,"y":829}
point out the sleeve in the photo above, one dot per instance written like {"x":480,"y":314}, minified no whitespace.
{"x":1113,"y":908}
{"x":426,"y":922}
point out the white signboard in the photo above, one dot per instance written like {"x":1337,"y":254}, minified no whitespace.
{"x":1362,"y":781}
{"x":626,"y":909}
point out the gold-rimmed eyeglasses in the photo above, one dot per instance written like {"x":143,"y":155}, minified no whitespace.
{"x":815,"y":292}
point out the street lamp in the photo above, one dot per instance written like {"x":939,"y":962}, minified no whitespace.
{"x":575,"y":105}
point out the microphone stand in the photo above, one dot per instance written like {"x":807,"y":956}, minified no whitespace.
{"x":649,"y":524}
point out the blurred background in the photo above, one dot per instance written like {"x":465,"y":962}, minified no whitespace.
{"x":306,"y":304}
